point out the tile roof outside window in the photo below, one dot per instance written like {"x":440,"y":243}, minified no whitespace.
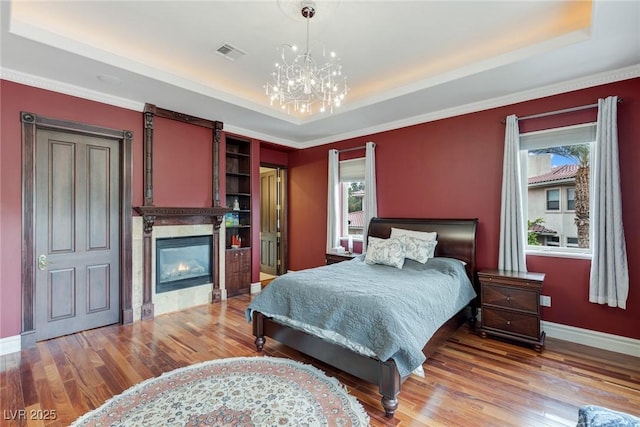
{"x":356,"y":219}
{"x":557,"y":173}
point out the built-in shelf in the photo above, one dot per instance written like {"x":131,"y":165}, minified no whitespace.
{"x":238,"y":224}
{"x":238,"y":191}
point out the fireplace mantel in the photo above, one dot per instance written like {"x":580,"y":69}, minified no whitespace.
{"x":154,"y":216}
{"x":180,"y":215}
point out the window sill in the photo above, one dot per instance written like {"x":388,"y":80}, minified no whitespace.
{"x":558,"y":254}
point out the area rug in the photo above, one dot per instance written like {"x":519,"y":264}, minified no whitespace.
{"x":240,"y":391}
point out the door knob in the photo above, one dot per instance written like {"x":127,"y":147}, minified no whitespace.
{"x":42,"y":262}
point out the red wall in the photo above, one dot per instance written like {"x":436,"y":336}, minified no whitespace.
{"x":273,"y":157}
{"x":446,"y":168}
{"x":181,"y":170}
{"x":453,"y":168}
{"x":15,"y":98}
{"x":182,"y":158}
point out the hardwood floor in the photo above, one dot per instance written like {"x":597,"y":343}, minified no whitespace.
{"x":469,"y":381}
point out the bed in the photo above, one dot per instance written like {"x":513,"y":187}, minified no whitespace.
{"x":377,"y":361}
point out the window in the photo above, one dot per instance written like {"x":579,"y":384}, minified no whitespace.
{"x":572,"y":242}
{"x":556,"y":184}
{"x":553,"y":200}
{"x":553,"y":241}
{"x":352,"y":209}
{"x":571,"y":199}
{"x":352,"y":194}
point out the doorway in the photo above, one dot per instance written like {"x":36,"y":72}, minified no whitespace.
{"x":76,"y":233}
{"x":76,"y":227}
{"x":273,"y":229}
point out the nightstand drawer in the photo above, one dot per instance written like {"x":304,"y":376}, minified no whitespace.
{"x":510,"y":322}
{"x":333,"y":258}
{"x":511,"y":305}
{"x":510,"y":297}
{"x":512,"y":278}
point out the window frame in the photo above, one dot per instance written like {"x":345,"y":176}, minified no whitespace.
{"x":351,"y":170}
{"x":570,"y":199}
{"x":559,"y":201}
{"x":344,"y":210}
{"x":571,"y":245}
{"x":576,"y":134}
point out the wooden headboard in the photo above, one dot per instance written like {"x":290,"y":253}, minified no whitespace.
{"x":456,"y":237}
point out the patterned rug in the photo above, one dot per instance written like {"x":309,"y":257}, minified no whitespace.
{"x":241,"y":391}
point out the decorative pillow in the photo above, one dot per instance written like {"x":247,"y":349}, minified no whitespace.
{"x":418,"y":249}
{"x":425,"y":235}
{"x":385,"y":251}
{"x":598,"y":416}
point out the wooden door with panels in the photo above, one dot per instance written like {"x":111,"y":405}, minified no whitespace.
{"x":76,"y":233}
{"x":273,"y":229}
{"x":268,"y":222}
{"x":76,"y":227}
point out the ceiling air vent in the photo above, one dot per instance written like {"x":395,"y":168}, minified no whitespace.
{"x":230,"y":52}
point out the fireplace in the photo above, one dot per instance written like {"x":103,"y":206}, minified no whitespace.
{"x":183,"y":262}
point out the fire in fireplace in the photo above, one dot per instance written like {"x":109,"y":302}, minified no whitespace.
{"x":182,"y":262}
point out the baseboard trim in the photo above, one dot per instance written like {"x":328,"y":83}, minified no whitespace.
{"x":587,"y":337}
{"x":10,"y":345}
{"x":591,"y":338}
{"x":256,"y":288}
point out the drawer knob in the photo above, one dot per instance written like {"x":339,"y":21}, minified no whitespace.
{"x":508,"y":322}
{"x":508,"y":297}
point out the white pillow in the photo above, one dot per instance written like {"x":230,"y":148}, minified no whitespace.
{"x":385,"y":251}
{"x":418,"y":249}
{"x":425,"y":235}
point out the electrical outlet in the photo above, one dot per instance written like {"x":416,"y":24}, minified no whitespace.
{"x":545,"y":300}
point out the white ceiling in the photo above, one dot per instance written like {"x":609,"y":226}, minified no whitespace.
{"x":406,"y":61}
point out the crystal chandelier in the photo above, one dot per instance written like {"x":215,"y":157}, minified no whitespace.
{"x":299,"y":84}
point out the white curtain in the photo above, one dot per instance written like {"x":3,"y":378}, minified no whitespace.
{"x":370,"y":194}
{"x":513,"y":239}
{"x":609,"y":282}
{"x":333,"y":201}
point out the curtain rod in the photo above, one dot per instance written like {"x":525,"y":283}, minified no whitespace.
{"x":566,"y":110}
{"x":352,"y":149}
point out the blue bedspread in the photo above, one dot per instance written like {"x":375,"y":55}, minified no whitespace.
{"x":393,"y":312}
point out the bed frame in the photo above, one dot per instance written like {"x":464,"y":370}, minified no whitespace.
{"x":456,"y":239}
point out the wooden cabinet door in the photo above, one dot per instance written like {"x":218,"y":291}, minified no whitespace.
{"x":238,"y":271}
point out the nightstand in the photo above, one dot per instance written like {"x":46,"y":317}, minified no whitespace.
{"x":510,"y":302}
{"x":333,"y":257}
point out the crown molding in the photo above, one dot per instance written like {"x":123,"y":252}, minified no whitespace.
{"x":606,"y":77}
{"x":69,"y":89}
{"x":598,"y":79}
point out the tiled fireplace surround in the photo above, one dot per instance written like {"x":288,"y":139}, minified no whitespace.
{"x":175,"y":300}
